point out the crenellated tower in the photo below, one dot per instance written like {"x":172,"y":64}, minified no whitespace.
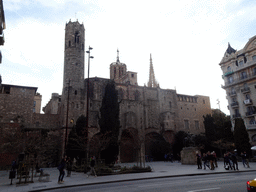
{"x":74,"y":55}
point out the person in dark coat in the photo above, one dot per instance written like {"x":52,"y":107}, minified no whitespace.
{"x":61,"y":170}
{"x":198,"y":160}
{"x":69,"y":166}
{"x":234,"y":160}
{"x":92,"y":164}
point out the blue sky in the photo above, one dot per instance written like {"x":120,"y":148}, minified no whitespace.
{"x":187,"y":40}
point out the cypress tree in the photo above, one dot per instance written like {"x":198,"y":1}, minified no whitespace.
{"x":209,"y":128}
{"x":241,"y":137}
{"x":109,"y":122}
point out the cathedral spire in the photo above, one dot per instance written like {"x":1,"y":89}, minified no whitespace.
{"x":117,"y":58}
{"x":152,"y":81}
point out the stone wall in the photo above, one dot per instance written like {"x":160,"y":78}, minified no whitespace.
{"x":16,"y":104}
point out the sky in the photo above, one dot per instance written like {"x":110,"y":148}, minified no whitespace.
{"x":187,"y":40}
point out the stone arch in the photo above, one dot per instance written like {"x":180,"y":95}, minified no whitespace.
{"x":129,"y":145}
{"x":155,"y":147}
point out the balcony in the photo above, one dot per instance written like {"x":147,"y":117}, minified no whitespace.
{"x":234,"y":104}
{"x":250,"y":113}
{"x":248,"y":102}
{"x":236,"y":116}
{"x":228,"y":73}
{"x":245,"y":90}
{"x":232,"y":93}
{"x":251,"y":126}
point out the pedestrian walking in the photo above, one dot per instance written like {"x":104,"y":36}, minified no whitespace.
{"x":226,"y":162}
{"x":215,"y":159}
{"x":234,"y":160}
{"x":205,"y":161}
{"x":92,"y":164}
{"x":69,"y":167}
{"x":198,"y":160}
{"x":61,"y":168}
{"x":245,"y":159}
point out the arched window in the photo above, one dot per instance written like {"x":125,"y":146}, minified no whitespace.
{"x":69,"y":43}
{"x":75,"y":92}
{"x":229,"y":69}
{"x":241,"y":63}
{"x":254,"y":57}
{"x":230,"y":79}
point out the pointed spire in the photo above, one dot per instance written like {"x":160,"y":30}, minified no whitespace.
{"x":117,"y":58}
{"x":152,"y":81}
{"x":230,"y":49}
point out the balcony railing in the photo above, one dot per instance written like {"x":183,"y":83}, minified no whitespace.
{"x":250,"y":113}
{"x":234,"y":104}
{"x":245,"y":90}
{"x":248,"y":102}
{"x":236,"y":115}
{"x":251,"y":126}
{"x":232,"y":93}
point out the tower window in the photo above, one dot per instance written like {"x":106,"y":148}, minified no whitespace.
{"x":69,"y":43}
{"x":132,"y":75}
{"x":82,"y":46}
{"x":75,"y":92}
{"x":254,"y":57}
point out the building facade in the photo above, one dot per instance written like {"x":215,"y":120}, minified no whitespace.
{"x":239,"y":74}
{"x":144,"y":110}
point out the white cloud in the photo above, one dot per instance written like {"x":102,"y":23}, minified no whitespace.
{"x":185,"y":38}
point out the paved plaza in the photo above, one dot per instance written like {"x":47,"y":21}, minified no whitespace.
{"x":159,"y":170}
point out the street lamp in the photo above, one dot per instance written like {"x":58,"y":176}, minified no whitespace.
{"x":66,"y":136}
{"x":87,"y":106}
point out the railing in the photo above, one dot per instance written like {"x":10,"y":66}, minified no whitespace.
{"x":232,"y":93}
{"x":245,"y":90}
{"x":236,"y":115}
{"x":247,"y":101}
{"x":234,"y":104}
{"x":228,"y":73}
{"x":250,"y":113}
{"x":251,"y":126}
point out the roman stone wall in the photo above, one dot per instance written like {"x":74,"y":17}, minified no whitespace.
{"x":17,"y":105}
{"x":45,"y":121}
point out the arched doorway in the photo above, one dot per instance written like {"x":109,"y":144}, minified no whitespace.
{"x":155,"y":147}
{"x":129,"y":145}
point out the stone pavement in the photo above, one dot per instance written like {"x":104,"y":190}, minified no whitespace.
{"x":160,"y":169}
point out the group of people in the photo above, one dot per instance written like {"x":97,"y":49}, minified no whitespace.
{"x":66,"y":163}
{"x":230,"y":160}
{"x":208,"y":159}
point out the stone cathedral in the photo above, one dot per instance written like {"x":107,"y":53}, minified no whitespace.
{"x":145,"y":111}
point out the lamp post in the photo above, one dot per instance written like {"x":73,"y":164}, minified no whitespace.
{"x":87,"y":105}
{"x":66,"y":136}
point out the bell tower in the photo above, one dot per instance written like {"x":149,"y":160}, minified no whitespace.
{"x":74,"y":55}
